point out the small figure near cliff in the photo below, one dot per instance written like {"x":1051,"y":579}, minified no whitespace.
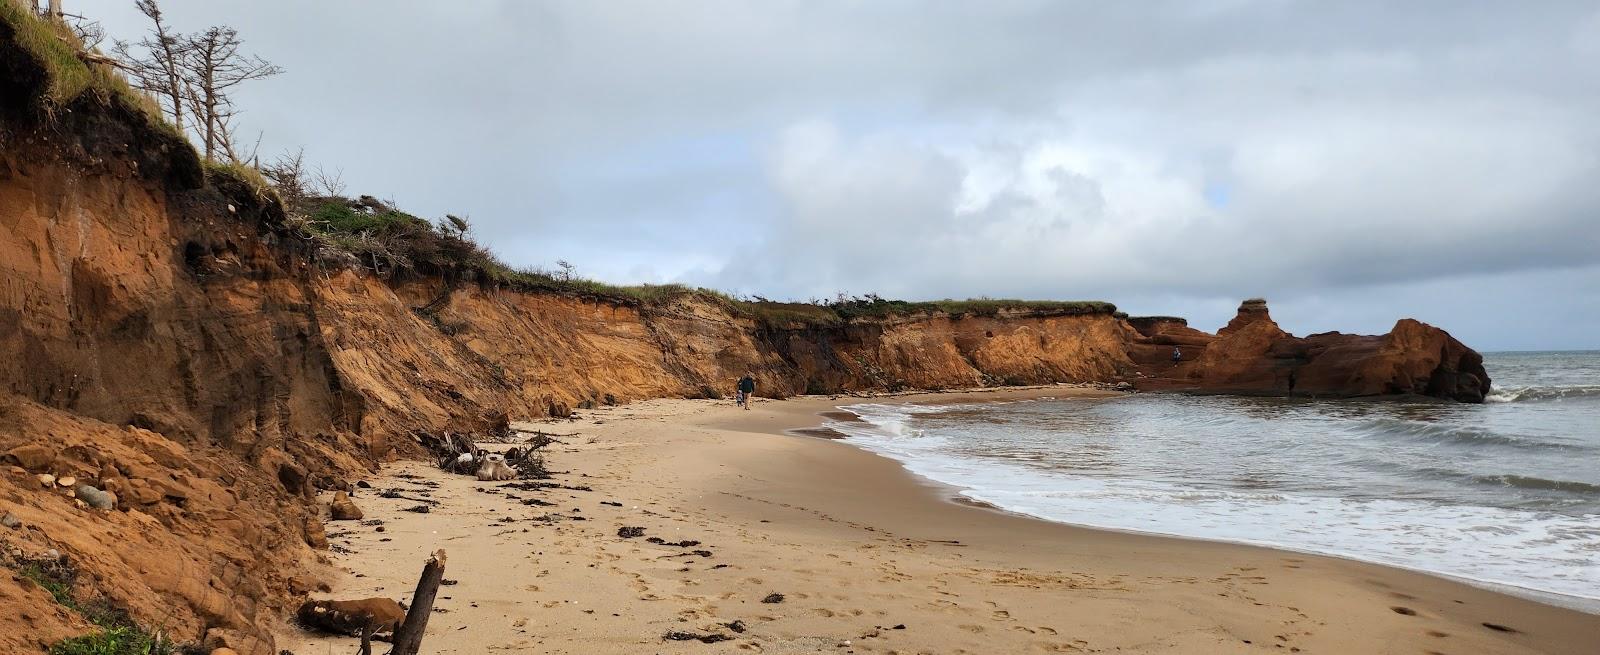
{"x":747,"y":386}
{"x":1177,"y":355}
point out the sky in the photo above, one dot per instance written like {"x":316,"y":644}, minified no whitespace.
{"x":1352,"y":162}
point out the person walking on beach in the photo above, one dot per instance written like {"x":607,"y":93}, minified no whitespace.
{"x":747,"y":386}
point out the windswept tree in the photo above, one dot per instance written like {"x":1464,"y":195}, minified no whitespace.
{"x":194,"y":76}
{"x":156,"y":62}
{"x":213,"y":66}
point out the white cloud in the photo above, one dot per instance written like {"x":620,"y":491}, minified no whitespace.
{"x":1168,"y":152}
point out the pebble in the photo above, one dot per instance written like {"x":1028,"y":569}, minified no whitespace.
{"x":11,"y":521}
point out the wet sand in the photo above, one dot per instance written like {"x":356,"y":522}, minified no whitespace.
{"x":868,"y":559}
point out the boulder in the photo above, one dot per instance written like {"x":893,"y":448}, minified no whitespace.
{"x":344,"y":509}
{"x":559,"y":409}
{"x":349,"y":617}
{"x":316,"y":536}
{"x":33,"y":457}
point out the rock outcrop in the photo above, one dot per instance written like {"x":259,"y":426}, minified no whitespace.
{"x":1252,"y":355}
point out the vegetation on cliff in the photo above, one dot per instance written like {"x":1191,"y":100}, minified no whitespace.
{"x":378,"y":236}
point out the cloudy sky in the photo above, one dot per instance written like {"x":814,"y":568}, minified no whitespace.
{"x":1352,"y":162}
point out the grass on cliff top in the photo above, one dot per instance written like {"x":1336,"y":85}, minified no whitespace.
{"x":68,"y":78}
{"x":784,"y":314}
{"x":389,"y":241}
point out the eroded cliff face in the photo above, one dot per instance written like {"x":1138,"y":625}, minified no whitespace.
{"x":169,"y":343}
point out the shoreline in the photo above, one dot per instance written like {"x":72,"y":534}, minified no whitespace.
{"x":859,"y":545}
{"x":1584,"y":604}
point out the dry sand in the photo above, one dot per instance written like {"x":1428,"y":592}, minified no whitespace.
{"x":868,"y":558}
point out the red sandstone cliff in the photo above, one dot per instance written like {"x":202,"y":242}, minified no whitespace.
{"x":1252,"y":355}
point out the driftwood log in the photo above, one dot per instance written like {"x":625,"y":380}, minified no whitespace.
{"x":409,"y":637}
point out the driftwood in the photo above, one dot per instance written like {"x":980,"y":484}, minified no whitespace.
{"x":409,"y":637}
{"x":457,"y":453}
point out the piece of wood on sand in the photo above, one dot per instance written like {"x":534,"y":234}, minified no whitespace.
{"x":409,"y":637}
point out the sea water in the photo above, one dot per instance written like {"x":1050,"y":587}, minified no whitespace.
{"x":1505,"y":494}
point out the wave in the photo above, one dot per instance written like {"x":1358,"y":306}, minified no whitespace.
{"x":1461,"y":435}
{"x":1542,"y":393}
{"x":1525,"y":482}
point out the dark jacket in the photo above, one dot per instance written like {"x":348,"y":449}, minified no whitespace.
{"x":747,"y":384}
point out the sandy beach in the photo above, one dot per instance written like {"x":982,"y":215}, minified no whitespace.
{"x":867,"y":559}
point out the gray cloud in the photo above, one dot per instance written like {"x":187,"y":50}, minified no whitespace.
{"x":1353,"y":161}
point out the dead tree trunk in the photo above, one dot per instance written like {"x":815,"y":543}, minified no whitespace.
{"x":409,"y":637}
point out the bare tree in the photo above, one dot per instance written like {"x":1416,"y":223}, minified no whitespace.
{"x":330,"y":184}
{"x":212,"y":67}
{"x":566,"y":269}
{"x":156,"y":62}
{"x":289,"y":175}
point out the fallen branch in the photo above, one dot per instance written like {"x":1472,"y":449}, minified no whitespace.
{"x":409,"y":637}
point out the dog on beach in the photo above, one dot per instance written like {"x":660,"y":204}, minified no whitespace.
{"x":494,"y":468}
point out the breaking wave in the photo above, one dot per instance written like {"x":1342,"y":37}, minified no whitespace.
{"x":1542,"y":393}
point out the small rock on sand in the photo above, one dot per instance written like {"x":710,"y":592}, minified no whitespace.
{"x":11,"y":521}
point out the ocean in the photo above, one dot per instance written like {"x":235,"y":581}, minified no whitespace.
{"x":1505,"y":494}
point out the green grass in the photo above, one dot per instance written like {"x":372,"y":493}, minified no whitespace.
{"x":340,"y":218}
{"x":67,"y":77}
{"x":241,"y":182}
{"x":119,"y":634}
{"x":55,"y":580}
{"x":119,"y":640}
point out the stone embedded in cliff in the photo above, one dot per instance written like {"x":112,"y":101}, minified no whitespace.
{"x":344,"y":509}
{"x":96,"y":498}
{"x":293,"y":478}
{"x":32,"y":457}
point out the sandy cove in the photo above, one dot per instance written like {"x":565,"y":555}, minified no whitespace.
{"x":869,"y":559}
